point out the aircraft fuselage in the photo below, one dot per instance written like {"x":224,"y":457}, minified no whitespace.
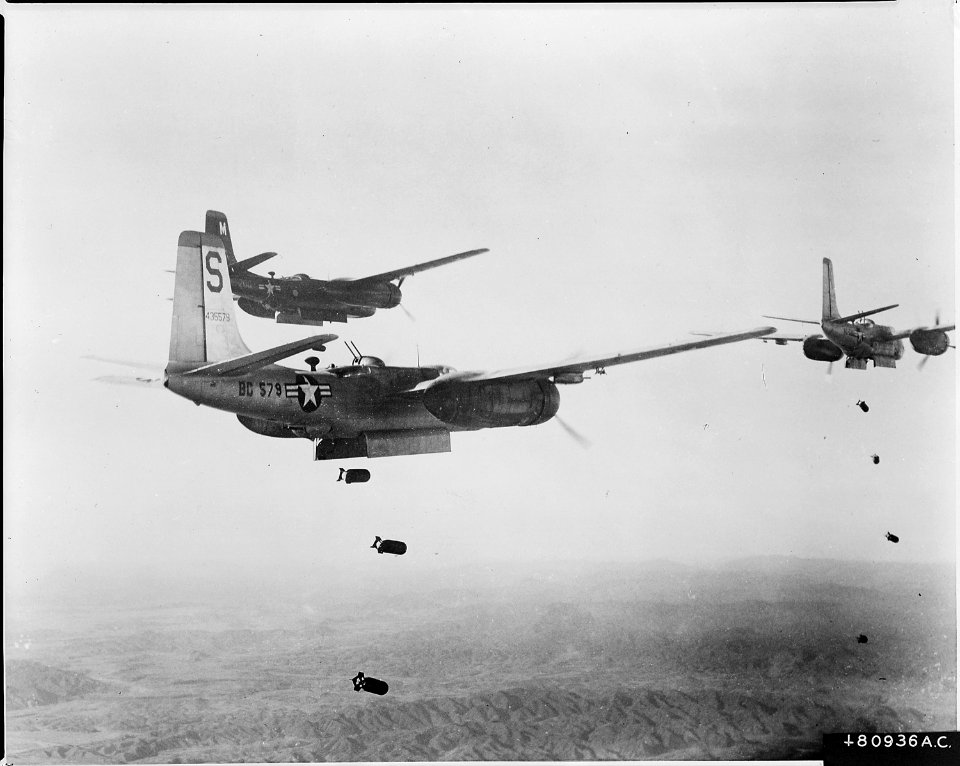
{"x":863,"y":340}
{"x":298,"y":294}
{"x":336,"y":403}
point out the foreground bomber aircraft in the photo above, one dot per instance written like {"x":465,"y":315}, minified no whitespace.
{"x":858,"y":338}
{"x":366,"y":409}
{"x":302,"y":300}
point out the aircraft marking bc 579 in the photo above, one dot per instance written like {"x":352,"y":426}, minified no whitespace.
{"x":366,"y":409}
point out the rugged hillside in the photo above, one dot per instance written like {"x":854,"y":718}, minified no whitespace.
{"x":615,"y":664}
{"x":30,"y":684}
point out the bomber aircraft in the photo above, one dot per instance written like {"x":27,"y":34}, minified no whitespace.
{"x":365,"y":409}
{"x":859,"y":338}
{"x":305,"y":301}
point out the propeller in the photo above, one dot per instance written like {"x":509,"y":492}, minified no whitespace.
{"x":579,"y":438}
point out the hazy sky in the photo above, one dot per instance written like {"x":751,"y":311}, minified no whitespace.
{"x":636,"y":171}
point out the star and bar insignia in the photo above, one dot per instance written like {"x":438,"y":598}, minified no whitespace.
{"x":307,"y":391}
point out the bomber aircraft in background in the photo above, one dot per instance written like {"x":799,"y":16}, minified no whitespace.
{"x":859,"y":338}
{"x":305,"y":301}
{"x":366,"y":409}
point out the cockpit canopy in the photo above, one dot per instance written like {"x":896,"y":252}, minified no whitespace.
{"x":371,"y":361}
{"x":300,"y":277}
{"x":864,"y":322}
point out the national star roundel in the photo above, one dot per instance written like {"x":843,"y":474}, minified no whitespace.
{"x":308,"y":391}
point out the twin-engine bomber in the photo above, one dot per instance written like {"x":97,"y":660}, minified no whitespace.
{"x":305,"y":301}
{"x":860,"y":339}
{"x":365,"y":409}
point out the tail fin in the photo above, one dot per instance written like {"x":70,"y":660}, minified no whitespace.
{"x":204,"y":327}
{"x":829,"y":293}
{"x":217,"y":225}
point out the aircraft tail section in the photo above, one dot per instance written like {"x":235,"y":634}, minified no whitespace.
{"x":204,"y":327}
{"x":829,"y":292}
{"x":217,"y":225}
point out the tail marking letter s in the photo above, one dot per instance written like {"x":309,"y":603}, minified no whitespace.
{"x":214,"y":271}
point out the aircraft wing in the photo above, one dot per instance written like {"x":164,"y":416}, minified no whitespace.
{"x":573,"y":370}
{"x":386,"y":276}
{"x":248,"y":263}
{"x":780,"y":338}
{"x":906,"y":333}
{"x":248,"y":362}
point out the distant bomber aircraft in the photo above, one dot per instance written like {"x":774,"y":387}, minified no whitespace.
{"x":366,"y":409}
{"x":859,"y":338}
{"x":302,"y":300}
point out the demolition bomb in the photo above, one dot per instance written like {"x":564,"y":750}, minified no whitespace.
{"x":389,"y":546}
{"x":372,"y":685}
{"x":861,"y":639}
{"x":876,"y":459}
{"x":893,"y":538}
{"x":863,"y":406}
{"x":354,"y":475}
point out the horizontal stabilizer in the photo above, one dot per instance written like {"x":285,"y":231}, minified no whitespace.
{"x":130,"y":380}
{"x":241,"y":365}
{"x":573,"y":369}
{"x":248,"y":263}
{"x":153,"y":369}
{"x":407,"y":271}
{"x":862,"y":314}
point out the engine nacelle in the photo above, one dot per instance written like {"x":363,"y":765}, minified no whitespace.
{"x":496,"y":404}
{"x":266,"y":427}
{"x":821,"y":350}
{"x":930,"y":342}
{"x":376,"y":294}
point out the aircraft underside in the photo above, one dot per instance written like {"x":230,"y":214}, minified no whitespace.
{"x":314,"y":317}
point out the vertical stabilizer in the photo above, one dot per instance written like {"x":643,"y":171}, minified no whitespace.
{"x":829,"y":292}
{"x":217,"y":225}
{"x":204,"y":327}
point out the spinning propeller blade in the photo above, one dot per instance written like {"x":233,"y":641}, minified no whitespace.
{"x":579,"y":438}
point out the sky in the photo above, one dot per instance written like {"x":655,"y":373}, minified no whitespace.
{"x":637,"y":171}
